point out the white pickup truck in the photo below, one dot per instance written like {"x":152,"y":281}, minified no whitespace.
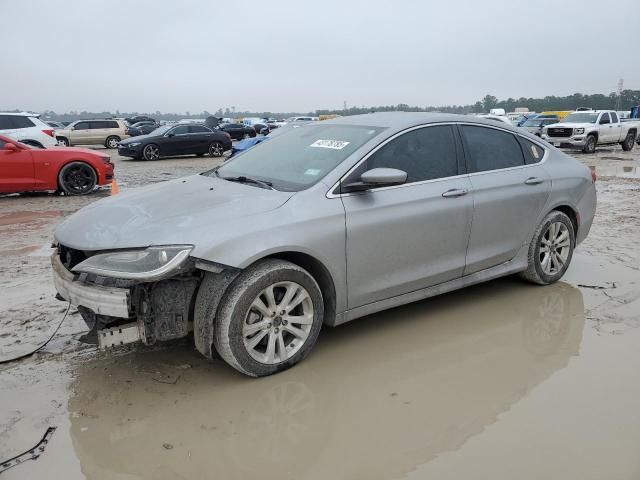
{"x":586,"y":130}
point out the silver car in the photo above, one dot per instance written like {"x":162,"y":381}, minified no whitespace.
{"x":324,"y":224}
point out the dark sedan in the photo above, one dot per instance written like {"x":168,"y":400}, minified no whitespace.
{"x":171,"y":140}
{"x":238,"y":131}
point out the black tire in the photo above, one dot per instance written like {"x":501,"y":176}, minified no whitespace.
{"x":629,"y":142}
{"x":216,"y":149}
{"x":590,"y":146}
{"x":112,"y":142}
{"x":151,"y":152}
{"x":245,"y":136}
{"x":535,"y":272}
{"x":235,"y":306}
{"x":77,"y":178}
{"x":64,"y":141}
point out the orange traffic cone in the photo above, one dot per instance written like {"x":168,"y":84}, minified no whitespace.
{"x":114,"y":187}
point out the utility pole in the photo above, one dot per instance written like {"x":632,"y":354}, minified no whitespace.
{"x":344,"y":105}
{"x":620,"y":88}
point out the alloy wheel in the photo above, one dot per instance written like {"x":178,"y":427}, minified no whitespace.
{"x":79,"y":179}
{"x":216,"y":149}
{"x":151,"y":152}
{"x":555,"y":247}
{"x":278,"y":322}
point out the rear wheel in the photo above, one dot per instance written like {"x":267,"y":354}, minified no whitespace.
{"x":551,"y":249}
{"x":77,"y":178}
{"x":269,"y":318}
{"x":629,"y":142}
{"x":216,"y":149}
{"x":112,"y":142}
{"x":151,"y":152}
{"x":590,"y":146}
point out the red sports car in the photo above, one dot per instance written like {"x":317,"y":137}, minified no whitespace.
{"x":75,"y":171}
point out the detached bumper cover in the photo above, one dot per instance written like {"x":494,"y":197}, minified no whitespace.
{"x":110,"y":301}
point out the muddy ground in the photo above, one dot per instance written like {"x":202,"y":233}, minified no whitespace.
{"x":501,"y":380}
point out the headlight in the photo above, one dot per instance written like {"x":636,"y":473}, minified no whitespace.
{"x":149,"y":264}
{"x":578,"y":131}
{"x":134,"y":144}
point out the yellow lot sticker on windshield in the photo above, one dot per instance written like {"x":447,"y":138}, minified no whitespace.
{"x":333,"y":144}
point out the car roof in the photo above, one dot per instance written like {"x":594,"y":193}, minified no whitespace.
{"x":402,"y":120}
{"x":21,"y":114}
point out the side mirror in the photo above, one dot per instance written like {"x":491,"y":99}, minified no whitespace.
{"x":11,"y":147}
{"x":376,"y":178}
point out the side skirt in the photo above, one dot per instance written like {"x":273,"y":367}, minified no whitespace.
{"x":518,"y":264}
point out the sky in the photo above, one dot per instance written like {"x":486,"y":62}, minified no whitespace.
{"x":297,"y":55}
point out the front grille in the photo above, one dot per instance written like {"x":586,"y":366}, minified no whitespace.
{"x":560,"y":132}
{"x":70,"y":257}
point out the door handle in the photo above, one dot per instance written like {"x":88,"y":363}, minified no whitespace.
{"x":533,"y":181}
{"x":455,"y":192}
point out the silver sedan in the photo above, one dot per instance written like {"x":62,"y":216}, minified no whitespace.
{"x":319,"y":226}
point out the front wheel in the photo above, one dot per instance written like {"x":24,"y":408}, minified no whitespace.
{"x":629,"y":142}
{"x":77,"y":178}
{"x":63,"y":141}
{"x":269,"y":318}
{"x":216,"y":149}
{"x":590,"y":146}
{"x":151,"y":152}
{"x":551,"y":249}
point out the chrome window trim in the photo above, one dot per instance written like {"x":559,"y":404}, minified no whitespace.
{"x":330,"y":193}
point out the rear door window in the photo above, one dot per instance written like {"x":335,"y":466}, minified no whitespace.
{"x":491,"y":149}
{"x":21,"y":122}
{"x":614,"y":117}
{"x":198,"y":129}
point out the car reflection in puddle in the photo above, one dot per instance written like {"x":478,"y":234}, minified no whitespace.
{"x":376,"y":398}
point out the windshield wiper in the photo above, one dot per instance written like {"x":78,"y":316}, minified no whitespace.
{"x":243,"y":179}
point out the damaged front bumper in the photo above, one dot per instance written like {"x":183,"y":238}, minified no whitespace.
{"x":110,"y":301}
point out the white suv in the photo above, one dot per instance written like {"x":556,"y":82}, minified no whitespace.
{"x":27,"y":128}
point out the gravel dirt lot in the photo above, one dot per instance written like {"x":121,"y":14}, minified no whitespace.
{"x":501,"y":380}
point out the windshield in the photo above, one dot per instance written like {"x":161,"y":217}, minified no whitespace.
{"x":533,"y":123}
{"x":581,"y":117}
{"x":162,"y":129}
{"x":301,"y":158}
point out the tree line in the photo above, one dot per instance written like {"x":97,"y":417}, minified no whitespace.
{"x":598,"y":101}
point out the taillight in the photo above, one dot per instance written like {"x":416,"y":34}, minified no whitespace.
{"x":48,"y":132}
{"x":594,"y":176}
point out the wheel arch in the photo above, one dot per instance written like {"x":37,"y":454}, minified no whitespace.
{"x":570,"y":212}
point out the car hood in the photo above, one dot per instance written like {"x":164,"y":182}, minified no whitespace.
{"x":190,"y":211}
{"x":137,"y":138}
{"x":71,"y":150}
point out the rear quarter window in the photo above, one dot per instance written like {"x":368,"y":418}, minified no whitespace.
{"x":532,"y":153}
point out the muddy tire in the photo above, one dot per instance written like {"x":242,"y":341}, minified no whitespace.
{"x":269,"y":318}
{"x":550,"y":250}
{"x":77,"y":178}
{"x":590,"y":146}
{"x":629,"y":142}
